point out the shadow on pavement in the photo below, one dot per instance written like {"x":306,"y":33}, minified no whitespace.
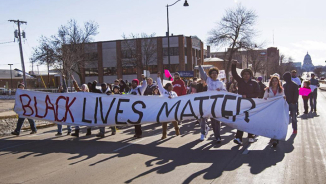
{"x":165,"y":159}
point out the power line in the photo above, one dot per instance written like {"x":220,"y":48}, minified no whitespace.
{"x":7,"y":42}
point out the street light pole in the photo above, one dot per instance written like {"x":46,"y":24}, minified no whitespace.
{"x":10,"y":75}
{"x":168,"y":26}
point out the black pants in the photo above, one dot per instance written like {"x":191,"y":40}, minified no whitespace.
{"x":138,"y":130}
{"x":305,"y":104}
{"x":240,"y":135}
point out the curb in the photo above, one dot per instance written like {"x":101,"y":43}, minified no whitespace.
{"x":7,"y":117}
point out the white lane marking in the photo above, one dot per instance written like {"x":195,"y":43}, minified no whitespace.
{"x":130,"y":144}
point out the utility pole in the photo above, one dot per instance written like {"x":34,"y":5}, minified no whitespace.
{"x":10,"y":75}
{"x":18,"y":22}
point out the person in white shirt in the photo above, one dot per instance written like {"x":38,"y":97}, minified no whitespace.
{"x":167,"y":91}
{"x":213,"y":84}
{"x":275,"y":89}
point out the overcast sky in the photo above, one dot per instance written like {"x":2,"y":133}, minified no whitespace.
{"x":299,"y":25}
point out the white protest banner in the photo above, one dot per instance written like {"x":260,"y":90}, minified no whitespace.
{"x":268,"y":118}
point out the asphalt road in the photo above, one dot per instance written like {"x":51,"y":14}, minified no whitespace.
{"x":44,"y":158}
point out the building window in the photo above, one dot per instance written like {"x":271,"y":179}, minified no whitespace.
{"x":129,"y":70}
{"x":91,"y":56}
{"x":128,"y":54}
{"x":174,"y":51}
{"x":152,"y":68}
{"x":91,"y":72}
{"x":174,"y":68}
{"x":185,"y":51}
{"x":110,"y":71}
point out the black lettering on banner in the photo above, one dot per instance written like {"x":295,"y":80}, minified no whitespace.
{"x":201,"y":99}
{"x":167,"y":111}
{"x":95,"y":112}
{"x":120,"y":111}
{"x":227,"y":114}
{"x":253,"y":105}
{"x":105,"y":120}
{"x":191,"y":109}
{"x":83,"y":119}
{"x":137,"y":112}
{"x":214,"y":103}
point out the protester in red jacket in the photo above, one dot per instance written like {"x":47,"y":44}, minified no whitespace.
{"x":178,"y":85}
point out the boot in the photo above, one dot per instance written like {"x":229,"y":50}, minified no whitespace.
{"x":176,"y":127}
{"x":89,"y":131}
{"x":76,"y":134}
{"x":164,"y":130}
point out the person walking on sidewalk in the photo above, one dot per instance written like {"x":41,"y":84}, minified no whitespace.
{"x":213,"y":84}
{"x":248,"y":88}
{"x":291,"y":94}
{"x":314,"y":84}
{"x":167,"y":91}
{"x":20,"y":121}
{"x":275,"y":89}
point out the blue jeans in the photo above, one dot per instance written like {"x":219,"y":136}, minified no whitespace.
{"x":60,"y":128}
{"x":216,"y":125}
{"x":313,"y":100}
{"x":293,"y":111}
{"x":20,"y":124}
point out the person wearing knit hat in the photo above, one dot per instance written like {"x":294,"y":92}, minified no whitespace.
{"x":116,"y":90}
{"x":138,"y":90}
{"x":248,"y":88}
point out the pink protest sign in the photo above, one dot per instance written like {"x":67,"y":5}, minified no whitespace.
{"x":304,"y":91}
{"x":168,"y":75}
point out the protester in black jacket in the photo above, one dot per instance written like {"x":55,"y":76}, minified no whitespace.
{"x":262,"y":87}
{"x":292,"y":94}
{"x":248,"y":89}
{"x":150,"y":87}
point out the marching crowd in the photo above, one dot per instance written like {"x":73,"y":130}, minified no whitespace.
{"x":244,"y":84}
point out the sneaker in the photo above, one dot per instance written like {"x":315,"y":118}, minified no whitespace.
{"x":206,"y":131}
{"x":218,"y":140}
{"x":202,"y":137}
{"x":68,"y":133}
{"x":251,"y":140}
{"x":139,"y":136}
{"x":15,"y":133}
{"x":100,"y":135}
{"x":58,"y":134}
{"x":33,"y":132}
{"x":163,"y":137}
{"x":295,"y":131}
{"x":113,"y":133}
{"x":237,"y":141}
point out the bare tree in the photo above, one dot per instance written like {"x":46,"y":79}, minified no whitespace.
{"x":69,"y":48}
{"x":147,"y":54}
{"x":235,"y":31}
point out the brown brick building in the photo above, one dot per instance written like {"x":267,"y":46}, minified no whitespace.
{"x":127,"y":59}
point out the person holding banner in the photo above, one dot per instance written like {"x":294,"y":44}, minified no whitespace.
{"x":248,"y":88}
{"x":296,"y":80}
{"x":21,"y":120}
{"x":84,"y":88}
{"x":314,"y":84}
{"x":105,"y":90}
{"x":138,"y":90}
{"x":275,"y":89}
{"x":63,"y":89}
{"x":167,"y":91}
{"x":291,"y":94}
{"x":213,"y":84}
